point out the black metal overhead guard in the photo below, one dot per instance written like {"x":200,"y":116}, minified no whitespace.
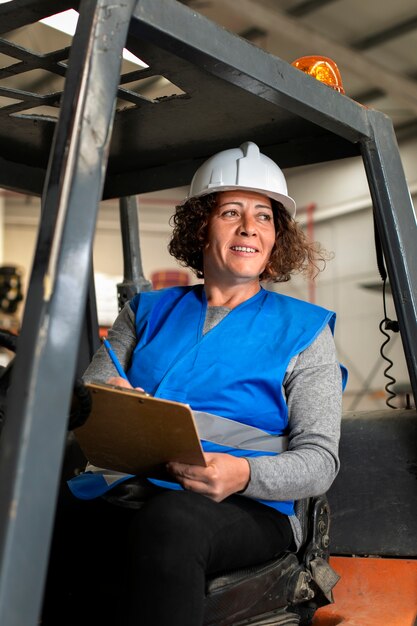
{"x":83,"y":150}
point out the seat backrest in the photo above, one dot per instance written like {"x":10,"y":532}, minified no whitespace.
{"x":373,"y":499}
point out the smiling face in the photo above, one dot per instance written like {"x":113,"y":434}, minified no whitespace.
{"x":240,"y":237}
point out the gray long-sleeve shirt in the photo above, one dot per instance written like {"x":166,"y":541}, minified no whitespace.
{"x":312,"y":387}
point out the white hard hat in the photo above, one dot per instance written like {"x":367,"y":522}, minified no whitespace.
{"x":242,"y":168}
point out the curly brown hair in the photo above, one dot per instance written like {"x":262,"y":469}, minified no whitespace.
{"x":291,"y":254}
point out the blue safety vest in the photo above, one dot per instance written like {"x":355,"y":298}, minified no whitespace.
{"x":232,"y":376}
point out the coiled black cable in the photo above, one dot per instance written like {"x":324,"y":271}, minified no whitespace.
{"x":391,"y":379}
{"x":386,"y":323}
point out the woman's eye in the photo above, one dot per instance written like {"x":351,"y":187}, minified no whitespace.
{"x":265,"y":217}
{"x":229,"y":213}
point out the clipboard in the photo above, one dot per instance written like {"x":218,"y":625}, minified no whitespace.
{"x":129,"y":431}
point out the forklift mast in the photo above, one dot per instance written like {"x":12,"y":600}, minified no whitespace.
{"x":96,"y":150}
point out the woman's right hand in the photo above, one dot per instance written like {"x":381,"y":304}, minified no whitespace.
{"x":118,"y":381}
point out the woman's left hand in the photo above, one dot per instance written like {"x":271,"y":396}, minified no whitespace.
{"x":224,"y":475}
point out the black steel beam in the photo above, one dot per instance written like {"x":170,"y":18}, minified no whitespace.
{"x":32,"y":442}
{"x":306,"y":7}
{"x":370,"y":95}
{"x":406,"y":130}
{"x":397,"y":227}
{"x":382,"y":36}
{"x":134,"y":280}
{"x":192,"y":37}
{"x":28,"y":60}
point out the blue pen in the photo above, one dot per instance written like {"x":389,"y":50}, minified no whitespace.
{"x":114,"y":359}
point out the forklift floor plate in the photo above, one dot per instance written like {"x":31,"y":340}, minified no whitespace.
{"x":372,"y":591}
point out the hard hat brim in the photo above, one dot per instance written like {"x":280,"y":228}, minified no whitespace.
{"x":288,"y":202}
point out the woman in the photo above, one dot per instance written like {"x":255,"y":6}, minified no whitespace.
{"x":241,"y":356}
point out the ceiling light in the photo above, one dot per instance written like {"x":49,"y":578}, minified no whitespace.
{"x":66,"y":22}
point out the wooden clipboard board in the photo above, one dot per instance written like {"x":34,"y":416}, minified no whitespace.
{"x":131,"y":432}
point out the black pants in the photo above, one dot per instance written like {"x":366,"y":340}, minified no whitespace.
{"x":148,"y":567}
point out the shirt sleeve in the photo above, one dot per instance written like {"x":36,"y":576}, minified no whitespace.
{"x":122,"y":336}
{"x":313,"y":390}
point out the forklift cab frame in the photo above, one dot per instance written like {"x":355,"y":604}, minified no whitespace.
{"x":232,"y":91}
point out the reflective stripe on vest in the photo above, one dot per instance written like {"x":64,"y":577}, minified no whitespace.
{"x":227,"y":432}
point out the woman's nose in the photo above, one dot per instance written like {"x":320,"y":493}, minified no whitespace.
{"x":247,"y":228}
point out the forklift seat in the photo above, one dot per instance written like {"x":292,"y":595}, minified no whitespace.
{"x":286,"y":590}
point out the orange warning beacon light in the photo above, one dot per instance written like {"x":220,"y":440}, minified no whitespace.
{"x":321,"y":68}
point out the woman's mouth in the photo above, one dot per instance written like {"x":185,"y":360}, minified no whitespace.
{"x":243,"y":249}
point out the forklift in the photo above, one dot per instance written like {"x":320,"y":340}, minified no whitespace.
{"x":358,"y":565}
